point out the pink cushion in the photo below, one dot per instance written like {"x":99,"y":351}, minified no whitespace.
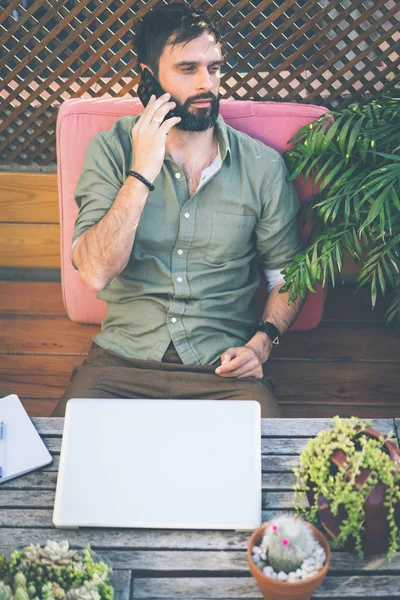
{"x":80,"y":119}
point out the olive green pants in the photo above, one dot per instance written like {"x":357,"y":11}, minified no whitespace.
{"x":105,"y":374}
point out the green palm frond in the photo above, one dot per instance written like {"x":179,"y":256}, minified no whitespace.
{"x":393,"y":312}
{"x":353,"y":157}
{"x":316,"y":264}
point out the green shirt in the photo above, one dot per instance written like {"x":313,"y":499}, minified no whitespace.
{"x":196,"y":261}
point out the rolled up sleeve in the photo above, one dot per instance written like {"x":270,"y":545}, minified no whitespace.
{"x":277,"y":232}
{"x":98,"y":184}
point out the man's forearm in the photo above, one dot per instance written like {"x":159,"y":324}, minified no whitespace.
{"x":278,"y":312}
{"x":103,"y":250}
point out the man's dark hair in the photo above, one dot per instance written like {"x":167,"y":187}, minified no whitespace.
{"x":178,"y":21}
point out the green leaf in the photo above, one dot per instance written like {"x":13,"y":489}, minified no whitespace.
{"x":298,"y":170}
{"x":307,"y":274}
{"x":395,"y":198}
{"x":314,"y":264}
{"x":339,"y":257}
{"x":332,"y":270}
{"x":331,"y":174}
{"x":324,"y":262}
{"x":357,"y":244}
{"x":329,"y":136}
{"x":373,"y":290}
{"x":374,"y":211}
{"x":395,"y":157}
{"x":353,"y":137}
{"x":346,"y":210}
{"x":388,"y":270}
{"x":312,"y":165}
{"x":382,"y":282}
{"x":324,"y":168}
{"x":343,"y":134}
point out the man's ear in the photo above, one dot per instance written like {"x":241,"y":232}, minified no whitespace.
{"x":143,"y":66}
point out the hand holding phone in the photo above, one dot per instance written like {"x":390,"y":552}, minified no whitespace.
{"x":148,"y":86}
{"x":149,"y":134}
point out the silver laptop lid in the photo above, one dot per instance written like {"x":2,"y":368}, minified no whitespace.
{"x":182,"y":464}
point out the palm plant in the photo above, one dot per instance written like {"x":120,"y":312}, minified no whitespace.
{"x":353,"y":157}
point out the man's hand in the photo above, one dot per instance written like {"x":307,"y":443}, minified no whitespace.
{"x":149,"y":136}
{"x":246,"y":361}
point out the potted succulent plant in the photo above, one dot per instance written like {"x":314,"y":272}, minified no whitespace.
{"x":288,"y":558}
{"x":350,"y":476}
{"x":54,"y":572}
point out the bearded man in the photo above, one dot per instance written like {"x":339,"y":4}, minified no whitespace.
{"x":177,"y":217}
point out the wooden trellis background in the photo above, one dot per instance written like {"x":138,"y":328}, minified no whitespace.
{"x":328,"y":52}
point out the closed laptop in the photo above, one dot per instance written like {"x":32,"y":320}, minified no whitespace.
{"x":182,"y":464}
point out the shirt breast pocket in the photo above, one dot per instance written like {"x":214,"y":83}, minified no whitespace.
{"x":231,"y":237}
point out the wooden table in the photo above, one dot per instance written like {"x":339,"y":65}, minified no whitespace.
{"x":186,"y":564}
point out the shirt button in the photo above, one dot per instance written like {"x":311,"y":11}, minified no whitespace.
{"x":179,"y":279}
{"x":173,"y":320}
{"x":180,"y":252}
{"x":178,"y":175}
{"x":187,"y":215}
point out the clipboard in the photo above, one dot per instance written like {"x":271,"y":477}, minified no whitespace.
{"x":23,"y":447}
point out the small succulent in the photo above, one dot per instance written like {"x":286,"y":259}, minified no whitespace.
{"x":20,"y":591}
{"x":287,"y":542}
{"x":52,"y":553}
{"x":5,"y":592}
{"x":52,"y":591}
{"x":54,"y":572}
{"x":88,"y":591}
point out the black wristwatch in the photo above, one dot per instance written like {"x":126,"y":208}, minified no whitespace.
{"x":271,"y":331}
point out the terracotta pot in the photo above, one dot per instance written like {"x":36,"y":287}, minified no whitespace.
{"x":376,"y":536}
{"x":272,"y":589}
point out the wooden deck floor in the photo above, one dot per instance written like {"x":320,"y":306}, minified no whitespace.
{"x":349,"y":365}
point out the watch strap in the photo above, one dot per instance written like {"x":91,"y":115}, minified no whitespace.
{"x":272,"y":332}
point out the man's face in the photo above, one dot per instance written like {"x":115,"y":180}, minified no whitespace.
{"x":191,"y":74}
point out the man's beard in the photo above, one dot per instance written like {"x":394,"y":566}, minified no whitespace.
{"x":199,"y":120}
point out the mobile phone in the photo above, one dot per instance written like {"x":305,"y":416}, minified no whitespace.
{"x":148,"y":86}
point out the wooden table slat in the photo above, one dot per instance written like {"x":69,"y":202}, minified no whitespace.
{"x":380,"y":586}
{"x":191,"y":564}
{"x":46,"y":480}
{"x":283,"y":428}
{"x":122,"y":582}
{"x":165,"y":561}
{"x":39,"y":498}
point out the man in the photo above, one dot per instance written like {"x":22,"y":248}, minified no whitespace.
{"x":176,"y":218}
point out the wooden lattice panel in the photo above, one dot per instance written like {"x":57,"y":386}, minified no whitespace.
{"x":328,"y":52}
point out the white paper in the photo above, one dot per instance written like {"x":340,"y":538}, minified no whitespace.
{"x":23,"y":447}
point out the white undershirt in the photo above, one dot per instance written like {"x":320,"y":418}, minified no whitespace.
{"x":274,"y":276}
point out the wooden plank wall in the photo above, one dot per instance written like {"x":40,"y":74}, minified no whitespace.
{"x":349,"y":365}
{"x":29,"y":222}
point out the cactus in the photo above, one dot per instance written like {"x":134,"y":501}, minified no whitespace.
{"x":287,"y":542}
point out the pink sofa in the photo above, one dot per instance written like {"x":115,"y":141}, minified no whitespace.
{"x":80,"y":119}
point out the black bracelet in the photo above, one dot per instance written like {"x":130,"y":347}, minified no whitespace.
{"x":142,"y":179}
